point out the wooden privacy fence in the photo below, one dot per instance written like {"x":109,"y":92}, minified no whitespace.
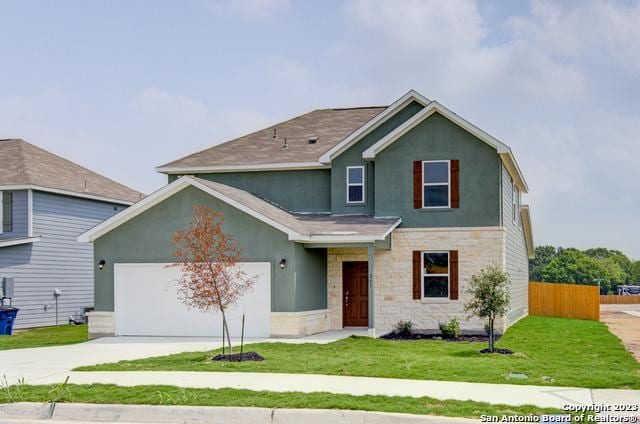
{"x":614,"y":298}
{"x":564,"y":300}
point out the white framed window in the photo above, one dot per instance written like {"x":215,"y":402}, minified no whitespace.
{"x":435,"y":274}
{"x":436,"y":184}
{"x":355,"y":184}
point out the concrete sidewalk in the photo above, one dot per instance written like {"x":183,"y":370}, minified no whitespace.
{"x":53,"y":364}
{"x":508,"y":394}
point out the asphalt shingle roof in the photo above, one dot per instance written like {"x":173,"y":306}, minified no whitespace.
{"x":328,"y":126}
{"x":307,"y":224}
{"x":22,"y":163}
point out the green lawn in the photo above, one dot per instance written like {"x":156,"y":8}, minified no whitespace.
{"x":551,"y":351}
{"x":169,"y":395}
{"x":45,"y":336}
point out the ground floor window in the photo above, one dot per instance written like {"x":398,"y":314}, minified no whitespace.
{"x":435,"y":274}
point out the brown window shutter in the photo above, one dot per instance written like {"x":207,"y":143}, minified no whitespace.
{"x":455,"y":183}
{"x":417,"y":275}
{"x":417,"y":184}
{"x":453,"y":275}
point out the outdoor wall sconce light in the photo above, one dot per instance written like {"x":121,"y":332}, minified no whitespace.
{"x":101,"y":264}
{"x":283,"y":263}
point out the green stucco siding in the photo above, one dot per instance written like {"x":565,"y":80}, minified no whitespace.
{"x":311,"y":278}
{"x":298,"y":191}
{"x":353,"y":157}
{"x":437,"y":138}
{"x":147,"y":238}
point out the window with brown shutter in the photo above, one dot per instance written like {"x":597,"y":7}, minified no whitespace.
{"x":417,"y":184}
{"x":455,"y":183}
{"x":417,"y":274}
{"x":453,"y":275}
{"x":435,"y":274}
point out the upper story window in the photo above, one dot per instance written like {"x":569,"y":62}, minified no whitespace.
{"x":355,"y":184}
{"x":7,"y":211}
{"x":435,"y":184}
{"x":435,"y":274}
{"x":515,"y":202}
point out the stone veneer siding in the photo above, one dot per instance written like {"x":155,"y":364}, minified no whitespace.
{"x":477,"y":247}
{"x":283,"y":324}
{"x":299,"y":324}
{"x":101,"y":324}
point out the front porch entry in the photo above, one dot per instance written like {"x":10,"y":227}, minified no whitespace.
{"x":355,"y":294}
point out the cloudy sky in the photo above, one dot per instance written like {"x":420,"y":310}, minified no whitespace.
{"x":123,"y":86}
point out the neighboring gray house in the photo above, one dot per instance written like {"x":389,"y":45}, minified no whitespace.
{"x":47,"y":201}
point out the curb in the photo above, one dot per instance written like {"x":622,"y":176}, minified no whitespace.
{"x":209,"y":414}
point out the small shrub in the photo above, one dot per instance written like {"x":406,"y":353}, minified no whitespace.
{"x":450,"y":329}
{"x":404,"y":327}
{"x":489,"y":297}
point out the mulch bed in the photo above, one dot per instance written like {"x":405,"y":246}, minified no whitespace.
{"x":422,"y":336}
{"x":500,"y":351}
{"x":238,"y":357}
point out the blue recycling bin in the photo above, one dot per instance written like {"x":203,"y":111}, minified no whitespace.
{"x":7,"y":317}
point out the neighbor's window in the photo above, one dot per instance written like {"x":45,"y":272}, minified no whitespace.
{"x":435,"y":274}
{"x":7,"y":212}
{"x":435,"y":181}
{"x":355,"y":184}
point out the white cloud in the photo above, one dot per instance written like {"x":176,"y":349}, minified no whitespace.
{"x":151,"y":128}
{"x":183,"y":124}
{"x":541,"y":82}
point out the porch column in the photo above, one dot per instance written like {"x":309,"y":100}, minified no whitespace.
{"x":371,"y":250}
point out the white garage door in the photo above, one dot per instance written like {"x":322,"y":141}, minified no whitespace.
{"x":146,"y":304}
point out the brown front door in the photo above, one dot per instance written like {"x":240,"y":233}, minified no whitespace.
{"x":355,"y":294}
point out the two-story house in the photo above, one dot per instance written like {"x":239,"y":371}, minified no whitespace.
{"x":356,"y":217}
{"x":47,"y":201}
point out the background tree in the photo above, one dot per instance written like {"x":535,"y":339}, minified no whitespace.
{"x":207,"y":257}
{"x":635,"y":272}
{"x":607,"y":257}
{"x":573,"y":266}
{"x":489,"y":297}
{"x":597,"y":266}
{"x":544,"y":255}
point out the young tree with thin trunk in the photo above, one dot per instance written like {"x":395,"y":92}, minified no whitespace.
{"x":490,"y":297}
{"x":207,"y":257}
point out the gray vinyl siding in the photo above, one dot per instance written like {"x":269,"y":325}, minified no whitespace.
{"x":56,"y":261}
{"x":19,"y":209}
{"x":516,"y":259}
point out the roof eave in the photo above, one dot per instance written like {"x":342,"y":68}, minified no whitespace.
{"x":350,"y":238}
{"x":290,"y":166}
{"x":66,"y":193}
{"x":502,"y":149}
{"x":527,"y":227}
{"x":165,"y":192}
{"x":370,"y":125}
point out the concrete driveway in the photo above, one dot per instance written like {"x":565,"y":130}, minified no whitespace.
{"x":624,"y":322}
{"x":45,"y":362}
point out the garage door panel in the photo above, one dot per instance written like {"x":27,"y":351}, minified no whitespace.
{"x":146,"y":303}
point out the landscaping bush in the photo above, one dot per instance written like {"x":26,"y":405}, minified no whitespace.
{"x":450,"y":329}
{"x":404,"y":327}
{"x":489,"y":297}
